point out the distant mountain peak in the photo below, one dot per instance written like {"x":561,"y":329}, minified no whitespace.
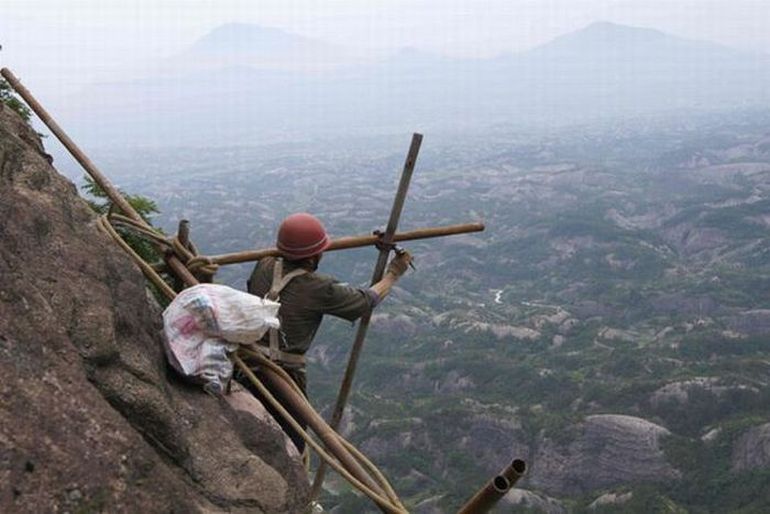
{"x":238,"y":36}
{"x":238,"y":46}
{"x":611,"y":28}
{"x":605,"y":32}
{"x":603,"y":39}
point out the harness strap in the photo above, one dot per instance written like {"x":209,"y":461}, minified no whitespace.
{"x":279,"y":283}
{"x":279,"y":356}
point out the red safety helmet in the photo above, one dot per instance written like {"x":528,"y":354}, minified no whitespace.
{"x":302,"y":235}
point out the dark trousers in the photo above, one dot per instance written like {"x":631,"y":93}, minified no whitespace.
{"x":300,"y":379}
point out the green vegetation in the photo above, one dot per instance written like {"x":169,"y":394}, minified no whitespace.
{"x":146,"y":208}
{"x":9,"y":98}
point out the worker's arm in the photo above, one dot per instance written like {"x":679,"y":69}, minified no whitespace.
{"x":351,"y":303}
{"x":396,"y":268}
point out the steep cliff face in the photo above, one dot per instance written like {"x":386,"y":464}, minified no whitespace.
{"x":91,"y":419}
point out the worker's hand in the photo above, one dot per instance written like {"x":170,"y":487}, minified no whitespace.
{"x":399,"y":264}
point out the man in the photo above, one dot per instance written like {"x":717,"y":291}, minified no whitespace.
{"x":305,"y":297}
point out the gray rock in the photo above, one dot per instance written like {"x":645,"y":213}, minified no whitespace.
{"x":680,"y":391}
{"x":608,"y":450}
{"x":529,"y":500}
{"x":752,"y":449}
{"x":753,"y":322}
{"x":91,"y":414}
{"x":429,"y":506}
{"x":610,"y":499}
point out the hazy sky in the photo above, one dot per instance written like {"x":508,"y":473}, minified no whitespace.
{"x":62,"y":44}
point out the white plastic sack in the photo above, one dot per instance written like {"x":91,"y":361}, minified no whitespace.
{"x":206,"y":322}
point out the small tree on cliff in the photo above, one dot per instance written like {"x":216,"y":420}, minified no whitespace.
{"x":9,"y":99}
{"x":145,"y":207}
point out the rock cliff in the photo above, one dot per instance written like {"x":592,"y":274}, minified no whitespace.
{"x":92,"y":420}
{"x":752,"y":449}
{"x":610,"y":450}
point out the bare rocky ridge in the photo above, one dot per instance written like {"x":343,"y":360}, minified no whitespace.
{"x":91,"y":419}
{"x":523,"y":499}
{"x":610,"y":450}
{"x":610,"y":499}
{"x":752,"y":449}
{"x":680,"y":392}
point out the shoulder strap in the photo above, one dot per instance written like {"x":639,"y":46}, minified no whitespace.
{"x":279,"y":283}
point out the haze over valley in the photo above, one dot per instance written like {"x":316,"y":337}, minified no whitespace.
{"x":247,"y":84}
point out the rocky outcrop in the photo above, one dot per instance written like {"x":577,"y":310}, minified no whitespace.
{"x":753,"y":322}
{"x":400,"y":324}
{"x":685,"y":305}
{"x":92,"y":420}
{"x":752,"y":449}
{"x":680,"y":392}
{"x":611,"y":500}
{"x":523,"y":499}
{"x":609,"y":450}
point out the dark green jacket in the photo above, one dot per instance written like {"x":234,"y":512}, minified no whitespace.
{"x":306,"y":299}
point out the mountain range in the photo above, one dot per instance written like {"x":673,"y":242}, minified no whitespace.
{"x":245,"y":84}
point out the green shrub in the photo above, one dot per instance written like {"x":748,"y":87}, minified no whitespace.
{"x":9,"y":99}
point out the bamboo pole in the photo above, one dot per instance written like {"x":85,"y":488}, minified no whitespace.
{"x":363,"y":325}
{"x":292,"y":399}
{"x":69,"y":144}
{"x":344,"y":243}
{"x":495,"y":489}
{"x":183,"y":233}
{"x":112,"y":192}
{"x":389,"y":503}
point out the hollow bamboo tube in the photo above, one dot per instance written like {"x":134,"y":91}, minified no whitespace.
{"x":495,"y":489}
{"x":363,"y":324}
{"x":344,"y":243}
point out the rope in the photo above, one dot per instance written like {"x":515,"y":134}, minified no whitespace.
{"x":188,"y":255}
{"x":104,"y":224}
{"x":390,"y":503}
{"x":360,"y":457}
{"x":138,"y":227}
{"x":393,"y":507}
{"x":201,"y":261}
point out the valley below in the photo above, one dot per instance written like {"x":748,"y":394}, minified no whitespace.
{"x":611,"y":326}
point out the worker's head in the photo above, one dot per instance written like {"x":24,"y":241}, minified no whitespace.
{"x":302,"y":236}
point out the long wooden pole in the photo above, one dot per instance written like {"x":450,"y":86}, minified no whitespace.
{"x":110,"y":190}
{"x":379,"y":270}
{"x":283,"y":394}
{"x":69,"y":144}
{"x":347,"y":242}
{"x":290,"y":398}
